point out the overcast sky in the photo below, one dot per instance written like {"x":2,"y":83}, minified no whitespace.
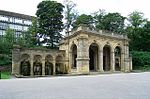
{"x":124,"y":7}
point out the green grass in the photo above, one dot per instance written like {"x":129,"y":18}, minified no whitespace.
{"x":5,"y":75}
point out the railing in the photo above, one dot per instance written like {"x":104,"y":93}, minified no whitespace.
{"x":100,"y":32}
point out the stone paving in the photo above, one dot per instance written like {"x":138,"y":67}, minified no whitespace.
{"x":104,"y":86}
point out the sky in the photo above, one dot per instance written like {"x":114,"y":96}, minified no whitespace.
{"x":124,"y":7}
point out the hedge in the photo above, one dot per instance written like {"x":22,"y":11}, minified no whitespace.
{"x":141,"y":60}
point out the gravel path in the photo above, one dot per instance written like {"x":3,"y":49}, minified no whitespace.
{"x":106,"y":86}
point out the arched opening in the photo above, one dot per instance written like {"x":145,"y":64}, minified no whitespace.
{"x":48,"y":65}
{"x":117,"y":58}
{"x":74,"y":56}
{"x":93,"y":56}
{"x":106,"y":58}
{"x":60,"y":69}
{"x":25,"y":65}
{"x":37,"y":65}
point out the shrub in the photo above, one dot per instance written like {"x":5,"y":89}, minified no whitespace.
{"x":5,"y":60}
{"x":141,"y":60}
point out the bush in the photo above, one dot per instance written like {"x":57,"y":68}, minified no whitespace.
{"x":141,"y":60}
{"x":5,"y":60}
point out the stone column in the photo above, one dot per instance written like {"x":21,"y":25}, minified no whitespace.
{"x":54,"y":67}
{"x":16,"y":59}
{"x":31,"y":68}
{"x":122,"y":61}
{"x":82,"y":56}
{"x":112,"y":60}
{"x":43,"y":67}
{"x":70,"y":60}
{"x":126,"y":57}
{"x":15,"y":68}
{"x":68,"y":57}
{"x":101,"y":60}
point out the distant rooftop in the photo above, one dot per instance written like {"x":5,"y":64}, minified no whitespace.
{"x":14,"y":14}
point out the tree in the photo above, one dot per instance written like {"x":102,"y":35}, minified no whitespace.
{"x":136,"y":31}
{"x":30,"y":37}
{"x":112,"y":21}
{"x":98,"y":18}
{"x":49,"y":16}
{"x":85,"y":20}
{"x":70,"y":14}
{"x":9,"y":39}
{"x":136,"y":19}
{"x":6,"y":45}
{"x":145,"y":38}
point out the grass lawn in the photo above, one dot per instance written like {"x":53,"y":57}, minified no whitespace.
{"x":5,"y":75}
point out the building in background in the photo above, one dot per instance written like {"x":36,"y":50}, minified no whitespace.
{"x":17,"y":22}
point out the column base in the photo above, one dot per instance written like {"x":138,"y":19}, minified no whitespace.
{"x":112,"y":70}
{"x":101,"y":71}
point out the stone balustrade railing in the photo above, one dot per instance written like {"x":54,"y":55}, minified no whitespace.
{"x":101,"y":32}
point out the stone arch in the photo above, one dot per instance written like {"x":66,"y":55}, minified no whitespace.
{"x":49,"y":58}
{"x":107,"y":57}
{"x":117,"y":51}
{"x":48,"y":65}
{"x":93,"y":56}
{"x":37,"y":65}
{"x":25,"y":65}
{"x":25,"y":56}
{"x":120,"y":45}
{"x":59,"y":65}
{"x":73,"y":50}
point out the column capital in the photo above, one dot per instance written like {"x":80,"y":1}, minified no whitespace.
{"x":122,"y":53}
{"x":101,"y":50}
{"x":69,"y":51}
{"x":112,"y":51}
{"x":54,"y":61}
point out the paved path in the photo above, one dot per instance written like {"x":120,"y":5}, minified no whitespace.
{"x":107,"y":86}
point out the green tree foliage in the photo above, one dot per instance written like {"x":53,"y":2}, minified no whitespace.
{"x":136,"y":19}
{"x":6,"y":45}
{"x":139,"y":38}
{"x":30,"y":37}
{"x":32,"y":30}
{"x":70,"y":14}
{"x":145,"y":42}
{"x":98,"y":19}
{"x":137,"y":30}
{"x":49,"y":16}
{"x":141,"y":60}
{"x":112,"y":21}
{"x":85,"y":20}
{"x":139,"y":34}
{"x":8,"y":40}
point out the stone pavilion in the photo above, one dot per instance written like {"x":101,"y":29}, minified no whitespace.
{"x":83,"y":51}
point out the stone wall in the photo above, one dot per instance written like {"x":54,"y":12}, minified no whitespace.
{"x":42,"y":56}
